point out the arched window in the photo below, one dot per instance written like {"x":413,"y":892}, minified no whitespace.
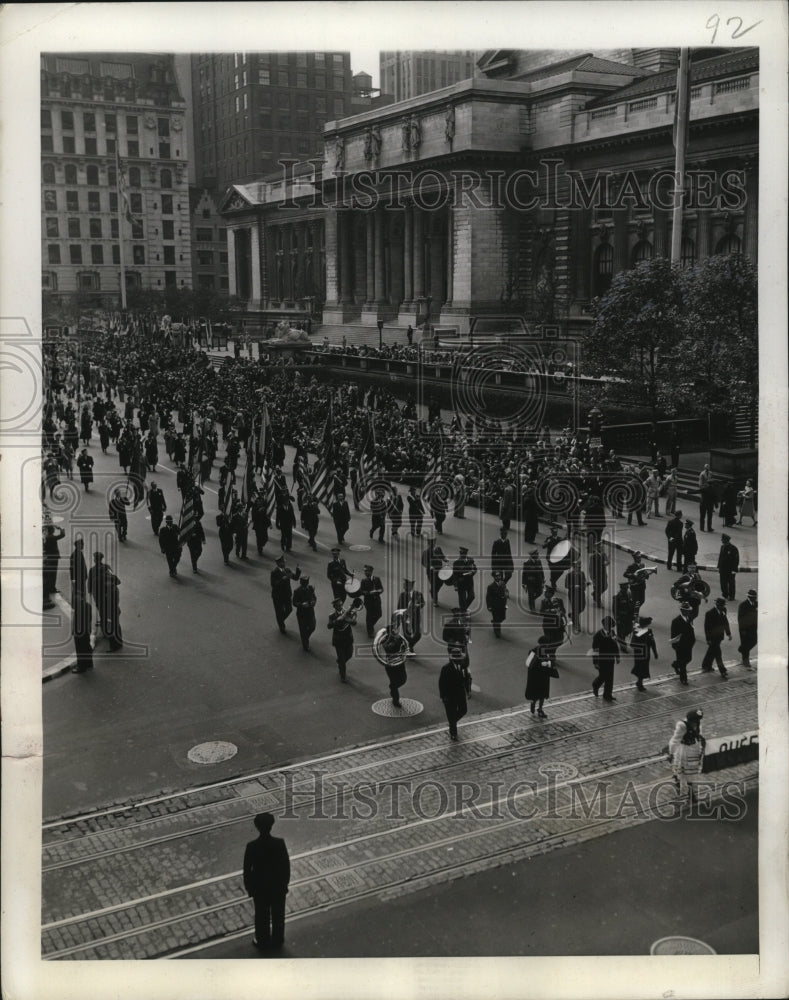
{"x":729,"y":245}
{"x":134,"y":177}
{"x":93,"y":175}
{"x":48,"y":173}
{"x":603,"y":268}
{"x":687,"y":253}
{"x":166,"y":179}
{"x":642,"y":251}
{"x":71,"y":174}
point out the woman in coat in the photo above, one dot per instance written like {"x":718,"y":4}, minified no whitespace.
{"x":85,"y":425}
{"x":642,"y":642}
{"x":507,"y":507}
{"x":747,"y":506}
{"x":459,"y":496}
{"x":85,"y":466}
{"x":686,"y":749}
{"x":538,"y":677}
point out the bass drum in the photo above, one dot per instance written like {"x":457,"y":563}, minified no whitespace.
{"x":353,"y":586}
{"x":563,"y":554}
{"x":445,"y":574}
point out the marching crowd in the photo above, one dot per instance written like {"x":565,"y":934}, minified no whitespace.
{"x":144,"y":391}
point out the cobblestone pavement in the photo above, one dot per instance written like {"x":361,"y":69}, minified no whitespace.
{"x":161,"y":877}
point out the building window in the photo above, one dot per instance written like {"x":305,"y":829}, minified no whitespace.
{"x":283,"y":122}
{"x":204,"y":235}
{"x":603,"y":268}
{"x":97,"y":254}
{"x":170,"y":279}
{"x":205,"y":258}
{"x":167,"y":204}
{"x":75,"y":254}
{"x":68,"y":145}
{"x":224,"y":283}
{"x":320,"y":105}
{"x":320,"y":81}
{"x":116,"y":253}
{"x":135,"y":201}
{"x":110,"y":123}
{"x":53,"y":230}
{"x":47,"y":144}
{"x":89,"y":120}
{"x":163,"y":127}
{"x":49,"y":281}
{"x":46,"y":118}
{"x":205,"y":281}
{"x":53,"y":253}
{"x":48,"y":173}
{"x":729,"y":245}
{"x":246,"y":102}
{"x":164,"y":150}
{"x":133,"y":279}
{"x":132,"y":147}
{"x":641,"y":251}
{"x":166,"y":179}
{"x":90,"y":146}
{"x":94,"y":228}
{"x":110,"y":143}
{"x":168,"y":229}
{"x":113,"y":201}
{"x":88,"y":281}
{"x":338,"y":82}
{"x":222,"y":235}
{"x":72,"y":201}
{"x":338,"y":59}
{"x":169,"y":254}
{"x":67,"y":121}
{"x":137,"y":231}
{"x":94,"y":201}
{"x":51,"y":201}
{"x":114,"y":228}
{"x":206,"y":213}
{"x":223,"y":257}
{"x":282,"y":78}
{"x":138,"y":254}
{"x":73,"y":229}
{"x":131,"y":124}
{"x":112,"y":178}
{"x":264,"y":77}
{"x":339,"y":107}
{"x":92,"y":174}
{"x":301,"y":79}
{"x":134,"y":177}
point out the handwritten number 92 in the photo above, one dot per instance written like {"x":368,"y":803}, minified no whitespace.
{"x":714,"y":23}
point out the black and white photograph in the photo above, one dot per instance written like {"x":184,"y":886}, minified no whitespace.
{"x":392,"y":428}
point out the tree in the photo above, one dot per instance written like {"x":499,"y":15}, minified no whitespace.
{"x":633,"y":342}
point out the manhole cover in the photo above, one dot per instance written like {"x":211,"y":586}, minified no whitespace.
{"x":407,"y":707}
{"x":360,"y":548}
{"x":680,"y":945}
{"x":212,"y":753}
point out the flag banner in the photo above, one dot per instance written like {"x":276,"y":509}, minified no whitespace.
{"x":368,"y":466}
{"x":268,"y":489}
{"x":248,"y":482}
{"x":123,"y":192}
{"x":264,"y":432}
{"x":323,"y":481}
{"x":187,"y":520}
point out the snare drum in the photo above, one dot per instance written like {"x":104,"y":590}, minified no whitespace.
{"x":353,"y":586}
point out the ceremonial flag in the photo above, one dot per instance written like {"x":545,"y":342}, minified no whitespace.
{"x":195,"y":445}
{"x":188,"y":518}
{"x":323,"y":484}
{"x":436,"y":465}
{"x":264,"y":429}
{"x":368,"y":465}
{"x":123,"y":191}
{"x":248,"y":482}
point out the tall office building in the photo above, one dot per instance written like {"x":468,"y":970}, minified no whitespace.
{"x":408,"y":74}
{"x":252,"y":109}
{"x":95,"y":106}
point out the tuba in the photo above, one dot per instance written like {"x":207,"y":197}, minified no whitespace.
{"x":395,"y":655}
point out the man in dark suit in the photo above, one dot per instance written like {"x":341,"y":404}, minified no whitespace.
{"x":728,"y":566}
{"x":533,"y":577}
{"x":674,"y":536}
{"x":501,"y":556}
{"x":716,"y":626}
{"x":747,"y":621}
{"x":452,"y":689}
{"x":281,"y":592}
{"x":605,"y":648}
{"x":266,"y":880}
{"x":690,"y":546}
{"x":683,"y":639}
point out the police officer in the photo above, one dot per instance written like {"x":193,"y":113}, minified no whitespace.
{"x":452,"y":690}
{"x":395,"y":510}
{"x":496,"y":598}
{"x":370,"y":590}
{"x":464,"y":570}
{"x":378,"y":506}
{"x":533,"y":577}
{"x":341,"y":624}
{"x":281,"y":594}
{"x":674,"y":537}
{"x":605,"y":648}
{"x":341,"y":515}
{"x":310,"y":517}
{"x":683,"y":639}
{"x":747,"y":621}
{"x":169,"y":544}
{"x":716,"y":626}
{"x":501,"y":556}
{"x":157,"y":505}
{"x":728,"y":566}
{"x":261,"y":522}
{"x":304,"y":602}
{"x":337,"y":573}
{"x":624,"y":611}
{"x":642,"y":643}
{"x":554,"y":621}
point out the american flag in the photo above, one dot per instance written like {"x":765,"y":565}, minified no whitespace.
{"x":123,"y":191}
{"x":436,"y":465}
{"x":368,"y":466}
{"x":188,"y":518}
{"x":323,"y":482}
{"x":248,"y":482}
{"x":268,"y":488}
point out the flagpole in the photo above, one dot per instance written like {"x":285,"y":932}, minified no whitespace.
{"x":680,"y":141}
{"x":120,"y":227}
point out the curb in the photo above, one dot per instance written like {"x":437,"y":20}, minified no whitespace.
{"x":653,"y":558}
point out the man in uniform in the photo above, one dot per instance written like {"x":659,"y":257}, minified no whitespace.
{"x":554,"y":620}
{"x":411,"y":601}
{"x":674,"y":536}
{"x":266,"y":880}
{"x":371,"y":590}
{"x":598,"y":572}
{"x":501,"y":556}
{"x":728,"y":566}
{"x":281,"y":594}
{"x":416,"y":510}
{"x":341,"y":625}
{"x":78,"y":570}
{"x":169,"y":544}
{"x":496,"y":598}
{"x":157,"y":505}
{"x":533,"y":577}
{"x":286,"y":520}
{"x":261,"y":522}
{"x":624,"y":611}
{"x":239,"y":524}
{"x":747,"y":621}
{"x":452,"y":689}
{"x":52,"y":536}
{"x":337,"y":573}
{"x":304,"y":602}
{"x":310,"y":518}
{"x":395,"y":508}
{"x":683,"y":639}
{"x":341,"y":515}
{"x":464,"y":569}
{"x":637,"y":573}
{"x":394,"y":647}
{"x":716,"y":626}
{"x":378,"y":506}
{"x":690,"y":546}
{"x":195,"y":541}
{"x":708,"y":501}
{"x":605,"y":649}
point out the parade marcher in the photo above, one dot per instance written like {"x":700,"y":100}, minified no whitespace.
{"x":690,"y":546}
{"x":457,"y":631}
{"x":747,"y":622}
{"x":674,"y":537}
{"x":501,"y":556}
{"x":304,"y":601}
{"x":533,"y":578}
{"x":183,"y":479}
{"x":605,"y":651}
{"x":52,"y":535}
{"x":157,"y":506}
{"x":728,"y":566}
{"x":452,"y":690}
{"x":507,"y":507}
{"x":624,"y":611}
{"x":371,"y":590}
{"x":708,"y":501}
{"x":538,"y":677}
{"x":463,"y":572}
{"x":683,"y":639}
{"x":81,"y":628}
{"x":716,"y":626}
{"x":576,"y":584}
{"x":598,"y":572}
{"x":85,"y":466}
{"x":285,"y":521}
{"x":226,"y":538}
{"x":459,"y":496}
{"x":411,"y":601}
{"x":266,"y":880}
{"x":104,"y":436}
{"x":393,"y":647}
{"x":341,"y":515}
{"x":239,"y":525}
{"x":642,"y":643}
{"x":554,"y":622}
{"x":671,"y":487}
{"x":637,"y":574}
{"x":728,"y":505}
{"x":416,"y":511}
{"x":103,"y":587}
{"x":549,"y":545}
{"x":686,"y":750}
{"x":337,"y":573}
{"x":281,"y":594}
{"x":261,"y":521}
{"x":496,"y":598}
{"x":378,"y":506}
{"x":117,"y":513}
{"x":438,"y":510}
{"x":310,"y":519}
{"x":341,"y":624}
{"x":432,"y":561}
{"x":195,"y":541}
{"x":691,"y":589}
{"x":395,"y":510}
{"x":78,"y":571}
{"x":170,"y":545}
{"x":531,"y":513}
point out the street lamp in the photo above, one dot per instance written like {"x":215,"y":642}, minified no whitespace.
{"x":380,"y":333}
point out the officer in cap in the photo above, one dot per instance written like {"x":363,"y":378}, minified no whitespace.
{"x":337,"y":573}
{"x":533,"y":577}
{"x":464,"y":570}
{"x":371,"y":589}
{"x":716,"y":626}
{"x":683,"y":639}
{"x":304,"y":602}
{"x":642,"y":642}
{"x":281,"y":593}
{"x":452,"y":689}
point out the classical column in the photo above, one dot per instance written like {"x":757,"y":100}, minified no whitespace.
{"x":437,"y":238}
{"x":395,"y":262}
{"x":254,"y":262}
{"x":702,"y":234}
{"x":621,"y":249}
{"x":661,"y":244}
{"x":419,"y":254}
{"x":231,"y":261}
{"x":449,"y":261}
{"x":346,"y":257}
{"x":408,"y":256}
{"x":331,"y":224}
{"x":369,"y":221}
{"x":380,"y":288}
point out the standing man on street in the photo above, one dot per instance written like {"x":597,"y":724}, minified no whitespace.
{"x":452,"y":690}
{"x":341,"y":515}
{"x":674,"y":536}
{"x":395,"y":509}
{"x":169,"y":544}
{"x":157,"y":505}
{"x":310,"y":518}
{"x":496,"y":598}
{"x":598,"y":572}
{"x":281,"y":594}
{"x":533,"y":577}
{"x":708,"y":502}
{"x":716,"y":626}
{"x":501,"y":556}
{"x":728,"y":566}
{"x":464,"y":570}
{"x":371,"y":590}
{"x":690,"y":546}
{"x":683,"y":639}
{"x":52,"y":536}
{"x":337,"y":573}
{"x":304,"y":602}
{"x":261,"y":522}
{"x":747,"y":622}
{"x":78,"y":571}
{"x":624,"y":611}
{"x":266,"y":880}
{"x":378,"y":506}
{"x":605,"y":648}
{"x":341,"y":625}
